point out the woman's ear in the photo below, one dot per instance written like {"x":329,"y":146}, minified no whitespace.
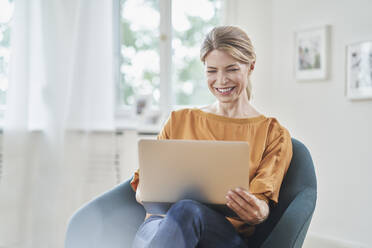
{"x":252,"y":65}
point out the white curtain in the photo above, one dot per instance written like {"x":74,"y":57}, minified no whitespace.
{"x":60,"y":99}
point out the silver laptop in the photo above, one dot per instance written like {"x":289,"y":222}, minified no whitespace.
{"x":202,"y":170}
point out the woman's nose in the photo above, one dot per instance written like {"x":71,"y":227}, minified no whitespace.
{"x":221,"y":79}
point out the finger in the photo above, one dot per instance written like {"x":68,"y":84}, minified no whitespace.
{"x":243,"y":215}
{"x":245,"y":210}
{"x":247,"y":217}
{"x":243,"y":207}
{"x":257,"y":210}
{"x":238,"y":199}
{"x":248,"y":197}
{"x":238,"y":210}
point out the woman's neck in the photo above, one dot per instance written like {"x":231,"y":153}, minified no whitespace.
{"x":239,"y":109}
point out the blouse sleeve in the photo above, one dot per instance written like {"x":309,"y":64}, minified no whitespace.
{"x":276,"y":158}
{"x":164,"y":134}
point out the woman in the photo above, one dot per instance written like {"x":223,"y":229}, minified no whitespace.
{"x":229,"y":59}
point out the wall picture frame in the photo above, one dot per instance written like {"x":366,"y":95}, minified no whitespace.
{"x":359,"y":70}
{"x":311,"y":53}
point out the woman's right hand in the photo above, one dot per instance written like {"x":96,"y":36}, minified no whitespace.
{"x":247,"y":206}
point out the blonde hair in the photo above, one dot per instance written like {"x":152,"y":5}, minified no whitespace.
{"x":235,"y":42}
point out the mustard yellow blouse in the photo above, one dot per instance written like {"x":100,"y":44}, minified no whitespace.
{"x":270,"y":145}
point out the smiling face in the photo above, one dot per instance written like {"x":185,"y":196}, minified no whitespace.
{"x":227,"y":77}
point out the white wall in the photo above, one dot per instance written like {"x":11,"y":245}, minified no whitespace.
{"x":336,"y":131}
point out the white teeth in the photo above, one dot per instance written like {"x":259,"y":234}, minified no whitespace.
{"x":224,"y":90}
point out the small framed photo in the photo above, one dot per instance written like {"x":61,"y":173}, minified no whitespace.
{"x":145,"y":112}
{"x":311,"y":55}
{"x":142,"y":104}
{"x":359,"y":70}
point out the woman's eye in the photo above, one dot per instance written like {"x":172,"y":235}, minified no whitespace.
{"x":234,"y":69}
{"x":211,"y":71}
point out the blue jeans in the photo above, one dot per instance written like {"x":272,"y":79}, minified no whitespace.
{"x":188,"y":224}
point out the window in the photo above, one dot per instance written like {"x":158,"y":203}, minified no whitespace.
{"x":139,"y":67}
{"x":6,"y":11}
{"x":159,"y":47}
{"x":191,"y":21}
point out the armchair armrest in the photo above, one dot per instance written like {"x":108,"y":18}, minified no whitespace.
{"x":291,"y":229}
{"x":111,"y":220}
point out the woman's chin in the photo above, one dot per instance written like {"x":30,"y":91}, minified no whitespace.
{"x":225,"y":99}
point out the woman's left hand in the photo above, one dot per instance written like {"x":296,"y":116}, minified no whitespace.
{"x":247,"y":206}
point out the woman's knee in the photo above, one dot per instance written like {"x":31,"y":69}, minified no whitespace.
{"x":187,"y":208}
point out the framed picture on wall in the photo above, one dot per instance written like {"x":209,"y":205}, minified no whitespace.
{"x":311,"y":55}
{"x":359,"y":70}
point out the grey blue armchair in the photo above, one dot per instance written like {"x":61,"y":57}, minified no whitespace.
{"x":111,"y":220}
